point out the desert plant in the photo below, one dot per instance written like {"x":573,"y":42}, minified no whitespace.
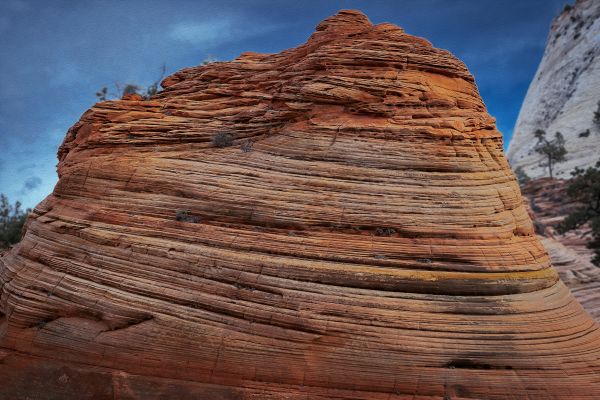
{"x":12,"y":219}
{"x":554,"y":150}
{"x":222,"y":139}
{"x":522,"y":177}
{"x":102,"y":94}
{"x":585,"y":133}
{"x":384,"y":231}
{"x":247,"y":146}
{"x":186,"y":216}
{"x":154,"y":88}
{"x":597,"y":115}
{"x":584,"y":188}
{"x":130,"y":88}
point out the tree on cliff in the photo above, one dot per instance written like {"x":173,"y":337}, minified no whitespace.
{"x":597,"y":115}
{"x":130,"y":88}
{"x":521,"y":176}
{"x":12,"y":219}
{"x":554,"y":150}
{"x":584,"y":188}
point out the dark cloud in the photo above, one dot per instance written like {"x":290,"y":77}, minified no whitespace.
{"x":31,"y":183}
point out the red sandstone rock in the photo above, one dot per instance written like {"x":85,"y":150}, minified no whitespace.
{"x":548,"y":205}
{"x":369,"y":242}
{"x":132,"y":96}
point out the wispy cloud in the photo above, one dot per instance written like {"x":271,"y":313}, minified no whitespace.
{"x":31,"y":183}
{"x":202,"y":33}
{"x":24,"y":167}
{"x":216,"y":32}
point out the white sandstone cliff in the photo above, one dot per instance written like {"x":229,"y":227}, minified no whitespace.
{"x":563,"y":94}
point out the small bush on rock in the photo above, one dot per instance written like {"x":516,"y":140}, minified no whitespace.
{"x":384,"y":231}
{"x":584,"y":188}
{"x":585,"y":133}
{"x":246,"y":146}
{"x":521,"y":176}
{"x":185,"y":216}
{"x":222,"y":139}
{"x":597,"y":115}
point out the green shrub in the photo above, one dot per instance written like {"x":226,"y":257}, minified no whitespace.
{"x":246,"y":146}
{"x":385,"y":231}
{"x":12,"y":219}
{"x":222,"y":139}
{"x":597,"y":115}
{"x":554,"y":150}
{"x":584,"y":188}
{"x":585,"y":133}
{"x":186,"y":216}
{"x":522,"y":177}
{"x":130,"y":88}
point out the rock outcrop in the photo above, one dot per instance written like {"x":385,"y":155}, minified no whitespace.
{"x":336,"y":221}
{"x":548,"y":205}
{"x":563,"y":94}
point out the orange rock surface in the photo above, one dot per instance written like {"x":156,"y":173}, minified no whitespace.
{"x":362,"y":238}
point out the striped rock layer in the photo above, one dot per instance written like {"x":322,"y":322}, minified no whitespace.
{"x":548,"y":205}
{"x":362,"y":238}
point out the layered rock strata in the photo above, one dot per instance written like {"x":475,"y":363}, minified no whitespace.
{"x":563,"y":94}
{"x":335,"y":221}
{"x":548,"y":205}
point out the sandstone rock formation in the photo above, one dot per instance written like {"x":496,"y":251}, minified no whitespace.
{"x":362,"y":238}
{"x":563,"y":94}
{"x":548,"y":205}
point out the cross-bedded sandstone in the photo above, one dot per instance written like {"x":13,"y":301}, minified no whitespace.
{"x":362,"y":237}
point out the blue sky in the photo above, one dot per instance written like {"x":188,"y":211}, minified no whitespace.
{"x":54,"y":55}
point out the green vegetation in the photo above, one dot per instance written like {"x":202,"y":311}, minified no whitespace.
{"x":385,"y":231}
{"x":145,"y":91}
{"x":585,"y":189}
{"x":12,"y":219}
{"x":585,"y":133}
{"x":522,"y":177}
{"x":554,"y":150}
{"x":186,"y":216}
{"x":222,"y":139}
{"x":130,"y":88}
{"x":597,"y":116}
{"x":247,"y":146}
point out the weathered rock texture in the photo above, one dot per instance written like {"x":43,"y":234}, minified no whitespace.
{"x":563,"y":94}
{"x":370,"y":243}
{"x":549,"y":205}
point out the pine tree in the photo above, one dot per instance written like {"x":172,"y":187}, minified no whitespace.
{"x":554,"y":150}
